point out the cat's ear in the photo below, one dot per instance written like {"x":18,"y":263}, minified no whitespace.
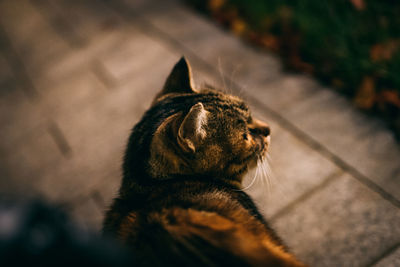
{"x":179,"y":80}
{"x":192,"y":129}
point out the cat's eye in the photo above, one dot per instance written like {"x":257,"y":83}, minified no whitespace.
{"x":245,"y":136}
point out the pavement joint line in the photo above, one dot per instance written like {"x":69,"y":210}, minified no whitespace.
{"x":59,"y":139}
{"x":384,"y":255}
{"x":103,"y":75}
{"x":17,"y":67}
{"x":306,"y":195}
{"x":154,"y":32}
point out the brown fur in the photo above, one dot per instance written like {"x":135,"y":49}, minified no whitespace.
{"x":180,"y":201}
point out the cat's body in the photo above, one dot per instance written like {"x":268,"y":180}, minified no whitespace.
{"x":181,"y":201}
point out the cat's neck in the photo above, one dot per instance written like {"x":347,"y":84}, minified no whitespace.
{"x":142,"y":183}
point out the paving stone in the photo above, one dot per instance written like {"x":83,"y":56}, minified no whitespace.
{"x":98,"y":37}
{"x":392,"y":260}
{"x":26,"y":160}
{"x":361,"y":142}
{"x":79,"y":21}
{"x":377,"y":156}
{"x":325,"y":103}
{"x":31,"y":36}
{"x":51,"y":169}
{"x":344,"y":224}
{"x":20,"y":115}
{"x":69,"y":97}
{"x":67,"y":66}
{"x":77,"y":108}
{"x":286,"y":92}
{"x":131,"y":57}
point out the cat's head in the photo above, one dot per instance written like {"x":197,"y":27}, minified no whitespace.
{"x":198,"y":132}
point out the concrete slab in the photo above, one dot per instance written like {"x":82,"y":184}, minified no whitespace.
{"x":343,"y":224}
{"x":30,"y":34}
{"x":20,"y":115}
{"x":135,"y":56}
{"x":361,"y":142}
{"x":26,"y":160}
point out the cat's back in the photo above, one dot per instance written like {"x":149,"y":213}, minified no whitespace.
{"x":196,"y":223}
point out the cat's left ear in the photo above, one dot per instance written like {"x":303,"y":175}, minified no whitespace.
{"x":192,"y":129}
{"x":179,"y":80}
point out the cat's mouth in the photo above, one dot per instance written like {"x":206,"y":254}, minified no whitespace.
{"x":267,"y":143}
{"x":263,"y":144}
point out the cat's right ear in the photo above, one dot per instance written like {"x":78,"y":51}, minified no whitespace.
{"x":179,"y":80}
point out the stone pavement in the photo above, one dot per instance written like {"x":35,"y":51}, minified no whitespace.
{"x":76,"y":75}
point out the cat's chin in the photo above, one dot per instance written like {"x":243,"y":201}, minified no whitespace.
{"x":250,"y":175}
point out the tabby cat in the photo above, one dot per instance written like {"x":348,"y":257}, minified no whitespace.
{"x":180,"y":202}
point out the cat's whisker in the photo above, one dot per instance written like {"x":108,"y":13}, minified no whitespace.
{"x":242,"y":87}
{"x":268,"y":167}
{"x":261,"y":172}
{"x":253,"y":180}
{"x":221,"y":73}
{"x":280,"y":187}
{"x":265,"y":177}
{"x":231,"y":78}
{"x":268,"y":177}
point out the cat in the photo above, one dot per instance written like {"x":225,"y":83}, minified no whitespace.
{"x":180,"y":202}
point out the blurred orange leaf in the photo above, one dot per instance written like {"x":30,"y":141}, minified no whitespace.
{"x":390,"y":96}
{"x":358,"y":4}
{"x":215,"y":4}
{"x":296,"y":62}
{"x":238,"y":26}
{"x":365,"y":97}
{"x":270,"y":42}
{"x":384,"y":51}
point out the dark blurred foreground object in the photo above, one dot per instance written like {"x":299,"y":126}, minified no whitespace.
{"x":352,"y":45}
{"x":36,"y":234}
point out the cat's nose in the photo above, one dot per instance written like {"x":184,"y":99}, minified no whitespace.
{"x":261,"y":128}
{"x":265,"y":130}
